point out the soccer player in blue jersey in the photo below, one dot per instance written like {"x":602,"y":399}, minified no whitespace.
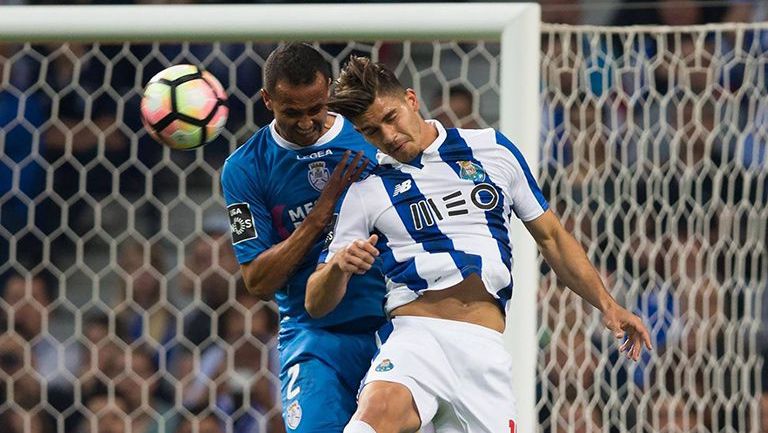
{"x":436,"y":213}
{"x":281,"y":188}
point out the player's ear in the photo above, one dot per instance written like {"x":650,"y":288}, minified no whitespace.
{"x":412,"y":99}
{"x":266,"y":98}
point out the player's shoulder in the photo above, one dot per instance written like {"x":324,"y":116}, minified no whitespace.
{"x":248,"y":151}
{"x":368,"y":186}
{"x":489,"y":138}
{"x":384,"y":171}
{"x":247,"y":160}
{"x":478,"y":136}
{"x":348,"y":136}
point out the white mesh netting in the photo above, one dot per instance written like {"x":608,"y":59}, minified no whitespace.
{"x":121,"y":296}
{"x":654,"y":156}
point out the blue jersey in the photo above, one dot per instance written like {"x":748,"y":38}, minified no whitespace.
{"x":270,"y":185}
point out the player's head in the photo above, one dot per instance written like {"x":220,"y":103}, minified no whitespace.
{"x":296,"y":83}
{"x":386,"y":113}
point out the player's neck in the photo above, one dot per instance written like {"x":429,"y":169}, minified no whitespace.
{"x":429,"y":134}
{"x":330,"y":119}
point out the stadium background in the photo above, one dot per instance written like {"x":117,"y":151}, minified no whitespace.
{"x":120,"y":294}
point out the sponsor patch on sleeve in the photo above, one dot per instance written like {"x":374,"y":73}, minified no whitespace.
{"x":241,"y":222}
{"x":330,"y":231}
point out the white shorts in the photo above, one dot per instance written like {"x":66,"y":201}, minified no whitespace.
{"x":459,"y":374}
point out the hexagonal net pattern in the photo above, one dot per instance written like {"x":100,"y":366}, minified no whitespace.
{"x":122,"y":304}
{"x":655,"y":156}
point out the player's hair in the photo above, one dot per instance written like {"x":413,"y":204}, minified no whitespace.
{"x":295,"y":62}
{"x":359,"y":83}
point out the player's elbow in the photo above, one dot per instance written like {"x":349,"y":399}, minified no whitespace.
{"x":261,"y":291}
{"x":315,"y":310}
{"x":255,"y":284}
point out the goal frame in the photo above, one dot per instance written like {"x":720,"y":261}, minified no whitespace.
{"x":515,"y":26}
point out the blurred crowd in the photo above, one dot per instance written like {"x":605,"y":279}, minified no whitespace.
{"x":655,"y":155}
{"x":143,"y":364}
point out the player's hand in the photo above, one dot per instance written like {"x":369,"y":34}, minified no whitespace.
{"x":343,"y":176}
{"x":358,"y":256}
{"x":622,"y":324}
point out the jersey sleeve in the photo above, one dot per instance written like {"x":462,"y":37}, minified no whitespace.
{"x":350,"y":222}
{"x":249,"y":219}
{"x":528,"y":201}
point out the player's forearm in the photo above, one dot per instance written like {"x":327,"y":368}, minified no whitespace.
{"x":572,"y":266}
{"x":325,"y":289}
{"x":272,"y":269}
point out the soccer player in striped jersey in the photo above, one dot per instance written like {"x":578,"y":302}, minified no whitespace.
{"x":436,"y":214}
{"x":281,"y":189}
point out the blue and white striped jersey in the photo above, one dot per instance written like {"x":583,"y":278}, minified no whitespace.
{"x":444,"y":215}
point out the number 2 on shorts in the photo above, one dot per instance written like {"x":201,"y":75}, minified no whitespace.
{"x":293,"y":374}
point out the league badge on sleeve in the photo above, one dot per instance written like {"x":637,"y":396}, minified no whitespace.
{"x":318,"y":175}
{"x":241,"y":222}
{"x":330,"y":231}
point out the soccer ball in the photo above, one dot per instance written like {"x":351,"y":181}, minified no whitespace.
{"x":184,"y":107}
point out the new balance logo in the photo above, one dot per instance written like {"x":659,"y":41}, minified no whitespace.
{"x":402,"y":187}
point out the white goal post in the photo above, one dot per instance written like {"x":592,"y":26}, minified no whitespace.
{"x":515,"y":26}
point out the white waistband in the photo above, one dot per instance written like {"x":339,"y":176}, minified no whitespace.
{"x":447,"y":326}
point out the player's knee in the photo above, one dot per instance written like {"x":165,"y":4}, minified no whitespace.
{"x":385,"y":404}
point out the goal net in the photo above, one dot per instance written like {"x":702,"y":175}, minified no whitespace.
{"x":123,"y":307}
{"x":654,"y":155}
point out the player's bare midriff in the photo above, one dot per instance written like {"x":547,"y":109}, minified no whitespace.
{"x":467,"y":301}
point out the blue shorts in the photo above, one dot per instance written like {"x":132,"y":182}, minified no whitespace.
{"x":320,"y":374}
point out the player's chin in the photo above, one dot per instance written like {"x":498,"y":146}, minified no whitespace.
{"x":404,"y":156}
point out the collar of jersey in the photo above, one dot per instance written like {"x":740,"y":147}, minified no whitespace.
{"x":329,"y":135}
{"x":383,"y":158}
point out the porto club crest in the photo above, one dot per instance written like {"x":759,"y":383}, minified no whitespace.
{"x":471,"y":171}
{"x":385,"y":365}
{"x":318,"y":175}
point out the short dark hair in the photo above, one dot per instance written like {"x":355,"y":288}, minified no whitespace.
{"x":295,"y":62}
{"x":359,"y":83}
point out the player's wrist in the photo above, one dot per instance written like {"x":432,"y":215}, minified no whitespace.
{"x":608,"y":306}
{"x":338,"y":266}
{"x":317,"y":220}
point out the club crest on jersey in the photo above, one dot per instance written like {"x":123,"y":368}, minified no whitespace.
{"x":471,"y":171}
{"x":385,"y":365}
{"x":293,"y":415}
{"x":318,"y":175}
